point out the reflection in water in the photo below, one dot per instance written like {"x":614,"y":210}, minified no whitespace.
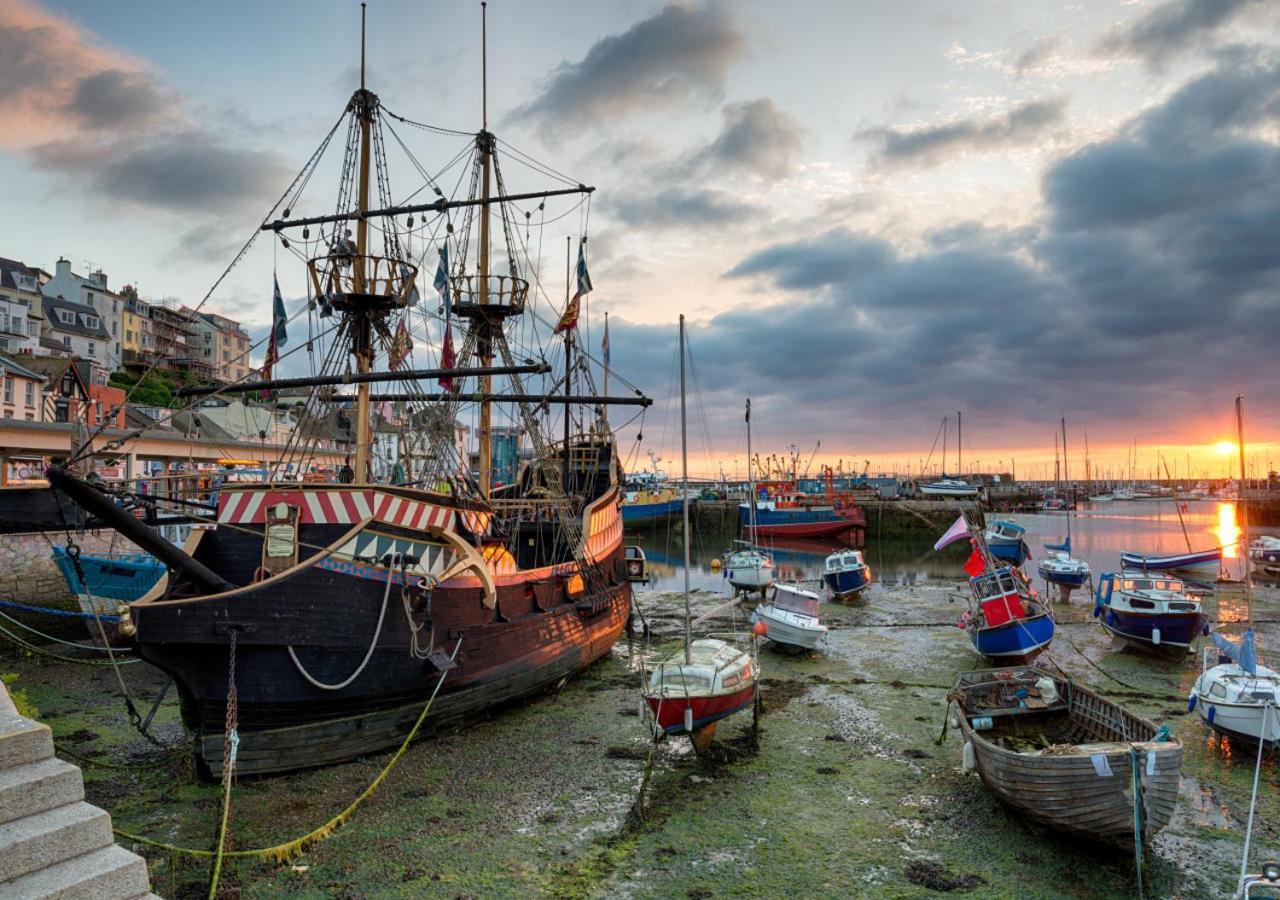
{"x":1228,"y":531}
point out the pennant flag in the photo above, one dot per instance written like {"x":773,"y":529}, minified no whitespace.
{"x":748,"y":410}
{"x":975,"y":565}
{"x":279,"y":318}
{"x":401,"y":346}
{"x":570,"y":318}
{"x":447,"y":358}
{"x":269,"y":363}
{"x":604,"y":343}
{"x":441,"y":283}
{"x":958,"y":531}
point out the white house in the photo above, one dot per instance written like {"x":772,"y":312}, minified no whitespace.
{"x":90,"y":291}
{"x":20,"y":310}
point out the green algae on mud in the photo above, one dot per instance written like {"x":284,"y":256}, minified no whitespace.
{"x":847,"y":793}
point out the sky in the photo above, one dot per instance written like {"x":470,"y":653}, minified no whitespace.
{"x":872,"y":214}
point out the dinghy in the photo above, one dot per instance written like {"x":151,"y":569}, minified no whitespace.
{"x":1203,"y":565}
{"x":1065,"y":757}
{"x":790,"y":617}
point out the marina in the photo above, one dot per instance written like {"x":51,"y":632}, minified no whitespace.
{"x":567,"y":518}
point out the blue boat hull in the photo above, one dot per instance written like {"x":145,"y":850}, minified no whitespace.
{"x":1177,"y":630}
{"x":1206,"y":563}
{"x":1010,"y":552}
{"x":1064,"y":579}
{"x":843,"y":584}
{"x":634,"y":513}
{"x":1014,"y":642}
{"x":115,"y":578}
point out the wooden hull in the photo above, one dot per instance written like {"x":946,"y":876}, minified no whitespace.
{"x":1066,"y":792}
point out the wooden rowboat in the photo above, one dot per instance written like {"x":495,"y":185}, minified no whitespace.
{"x":1063,"y":756}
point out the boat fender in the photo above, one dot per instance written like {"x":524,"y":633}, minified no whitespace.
{"x":1111,"y":619}
{"x":1047,"y":688}
{"x":715,"y":564}
{"x":1191,"y":702}
{"x":688,"y":718}
{"x":1213,"y":711}
{"x":1204,"y":629}
{"x":968,"y":759}
{"x":1155,"y":636}
{"x":760,"y":629}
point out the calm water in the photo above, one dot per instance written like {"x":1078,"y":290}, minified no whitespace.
{"x":1099,"y":532}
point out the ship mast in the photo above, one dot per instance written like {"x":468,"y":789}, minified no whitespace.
{"x":362,"y":333}
{"x":484,"y":143}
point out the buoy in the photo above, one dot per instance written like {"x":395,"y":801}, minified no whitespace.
{"x":1191,"y":702}
{"x":688,"y":718}
{"x":1213,"y":710}
{"x":715,"y":564}
{"x":1155,"y":636}
{"x":760,"y":629}
{"x":968,"y":759}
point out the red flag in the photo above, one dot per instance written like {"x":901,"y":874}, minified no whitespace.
{"x":570,"y":318}
{"x":447,"y":359}
{"x":401,"y":346}
{"x":975,"y":565}
{"x":270,"y":362}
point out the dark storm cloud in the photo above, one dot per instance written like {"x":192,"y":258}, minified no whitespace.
{"x":115,"y":98}
{"x":931,"y":145}
{"x":1172,"y":27}
{"x":757,"y":137}
{"x":678,"y":56}
{"x":680,"y":208}
{"x":1147,"y":293}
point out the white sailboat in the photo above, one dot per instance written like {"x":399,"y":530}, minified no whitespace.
{"x":746,"y":566}
{"x":950,"y":487}
{"x":1063,"y":569}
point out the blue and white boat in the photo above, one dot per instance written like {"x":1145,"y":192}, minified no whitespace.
{"x":1063,"y":569}
{"x":1010,"y":625}
{"x":1148,"y":611}
{"x":122,"y":578}
{"x":1239,"y":697}
{"x":1204,"y":565}
{"x":949,"y":487}
{"x":1006,"y":541}
{"x":651,"y":505}
{"x":846,"y":573}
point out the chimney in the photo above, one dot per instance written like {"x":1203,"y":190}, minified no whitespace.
{"x":63,"y":267}
{"x":99,"y":278}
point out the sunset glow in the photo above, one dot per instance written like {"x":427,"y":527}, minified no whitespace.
{"x":1228,"y":531}
{"x":1225,"y":448}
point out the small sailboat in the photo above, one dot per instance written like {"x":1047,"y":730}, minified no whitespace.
{"x":1006,"y":541}
{"x":950,"y":487}
{"x":1149,"y":611}
{"x":790,"y":617}
{"x":1062,"y":569}
{"x":746,"y":566}
{"x":1066,"y":757}
{"x":1264,"y":555}
{"x":846,"y":574}
{"x":695,"y":687}
{"x":1239,"y":697}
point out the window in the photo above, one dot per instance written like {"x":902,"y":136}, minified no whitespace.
{"x":66,"y":340}
{"x":92,"y":322}
{"x":89,"y":297}
{"x":66,"y":316}
{"x":31,"y":393}
{"x":32,"y":328}
{"x":8,"y":389}
{"x":25,"y":282}
{"x":128,"y":336}
{"x":93,"y":349}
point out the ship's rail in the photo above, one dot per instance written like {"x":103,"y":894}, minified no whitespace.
{"x":493,"y":294}
{"x":342,"y":278}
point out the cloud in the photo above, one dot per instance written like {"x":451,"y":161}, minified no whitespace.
{"x":837,"y":256}
{"x":757,"y":137}
{"x":930,"y":145}
{"x":1037,"y":55}
{"x":115,"y":98}
{"x":678,"y":57}
{"x":1171,"y":27}
{"x":681,"y":208}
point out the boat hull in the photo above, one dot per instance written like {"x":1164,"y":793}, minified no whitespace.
{"x":115,"y":578}
{"x":1240,"y":720}
{"x":799,"y":632}
{"x":1014,"y":642}
{"x":1065,"y":579}
{"x":669,"y":712}
{"x":802,"y":529}
{"x":847,"y":583}
{"x":1016,"y":553}
{"x":1162,"y":631}
{"x":1205,"y":564}
{"x":638,"y":513}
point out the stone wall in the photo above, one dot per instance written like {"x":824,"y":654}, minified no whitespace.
{"x":27,"y":570}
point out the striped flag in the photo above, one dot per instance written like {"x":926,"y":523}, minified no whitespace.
{"x":570,"y":318}
{"x":604,"y":343}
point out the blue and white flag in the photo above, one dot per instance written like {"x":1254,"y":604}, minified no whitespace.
{"x":441,"y":284}
{"x":279,"y":318}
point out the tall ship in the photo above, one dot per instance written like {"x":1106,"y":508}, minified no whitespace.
{"x":339,"y":608}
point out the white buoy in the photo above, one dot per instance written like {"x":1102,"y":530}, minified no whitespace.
{"x":688,"y":718}
{"x":968,"y":759}
{"x":1155,"y":636}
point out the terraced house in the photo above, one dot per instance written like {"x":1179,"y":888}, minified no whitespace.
{"x":21,"y":315}
{"x":104,"y":305}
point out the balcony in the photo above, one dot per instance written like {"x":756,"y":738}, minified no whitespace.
{"x":370,"y":283}
{"x":494,"y":295}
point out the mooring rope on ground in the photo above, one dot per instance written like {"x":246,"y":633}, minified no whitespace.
{"x":51,"y":611}
{"x":40,"y":651}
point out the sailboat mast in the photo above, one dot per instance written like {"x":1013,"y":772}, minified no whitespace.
{"x":568,"y":359}
{"x":959,"y":446}
{"x":684,"y":490}
{"x":751,"y":482}
{"x":1066,"y":475}
{"x":944,"y":446}
{"x":362,"y":334}
{"x":1243,"y":507}
{"x":485,"y":146}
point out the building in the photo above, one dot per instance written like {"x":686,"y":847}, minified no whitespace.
{"x":22,"y":394}
{"x":137,"y":343}
{"x":74,"y":330}
{"x":175,"y":340}
{"x":76,"y":391}
{"x":223,"y":344}
{"x":90,"y":291}
{"x":21,"y":314}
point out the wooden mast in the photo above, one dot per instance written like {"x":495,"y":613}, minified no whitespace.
{"x":1243,"y":510}
{"x":684,"y":490}
{"x":363,"y":332}
{"x":485,"y":343}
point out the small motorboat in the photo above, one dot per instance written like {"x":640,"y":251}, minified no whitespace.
{"x":846,"y":574}
{"x":748,"y":568}
{"x":1065,"y":757}
{"x":1006,"y":540}
{"x":949,"y":487}
{"x":790,"y":617}
{"x":1149,"y":611}
{"x":1239,"y":697}
{"x":1264,"y":554}
{"x":1064,"y":570}
{"x":698,"y":685}
{"x":109,"y":580}
{"x":1202,"y":566}
{"x":1010,"y":624}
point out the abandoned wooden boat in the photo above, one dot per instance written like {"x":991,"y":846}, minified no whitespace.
{"x":1065,"y":757}
{"x":341,"y":607}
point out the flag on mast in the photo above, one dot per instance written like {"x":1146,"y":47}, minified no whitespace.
{"x":401,"y":346}
{"x":279,"y":332}
{"x":570,"y":318}
{"x":447,"y":358}
{"x":604,"y":343}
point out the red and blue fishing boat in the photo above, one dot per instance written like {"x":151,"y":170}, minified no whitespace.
{"x":1010,"y":624}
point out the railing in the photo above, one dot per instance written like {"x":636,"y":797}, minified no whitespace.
{"x":506,"y":293}
{"x":344,"y":275}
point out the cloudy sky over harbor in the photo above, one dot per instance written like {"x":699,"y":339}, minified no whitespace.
{"x":873,"y":214}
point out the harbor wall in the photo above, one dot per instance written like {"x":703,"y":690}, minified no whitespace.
{"x":27,"y":571}
{"x":886,"y":519}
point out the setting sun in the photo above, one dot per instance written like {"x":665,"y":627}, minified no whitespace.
{"x":1224,"y":448}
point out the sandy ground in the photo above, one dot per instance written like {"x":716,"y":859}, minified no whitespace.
{"x":847,"y":794}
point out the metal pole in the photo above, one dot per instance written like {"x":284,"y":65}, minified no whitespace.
{"x":684,"y":486}
{"x":1243,"y":509}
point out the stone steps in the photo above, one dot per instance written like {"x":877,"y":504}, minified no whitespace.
{"x":52,"y":843}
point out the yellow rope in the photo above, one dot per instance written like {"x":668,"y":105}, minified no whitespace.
{"x":282,"y":853}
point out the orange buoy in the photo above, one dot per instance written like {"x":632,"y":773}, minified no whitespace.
{"x":760,"y":629}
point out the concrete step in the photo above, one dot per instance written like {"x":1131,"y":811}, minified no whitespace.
{"x":26,"y":790}
{"x":35,"y":787}
{"x":110,"y":872}
{"x":49,"y":837}
{"x":23,"y":741}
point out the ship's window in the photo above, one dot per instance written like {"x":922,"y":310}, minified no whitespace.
{"x":1217,"y":690}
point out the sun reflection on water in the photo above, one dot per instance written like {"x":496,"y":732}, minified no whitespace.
{"x":1228,"y":532}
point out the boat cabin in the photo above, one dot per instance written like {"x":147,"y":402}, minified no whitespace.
{"x":793,"y":599}
{"x":844,"y":561}
{"x":998,"y":596}
{"x":715,"y":666}
{"x":1145,"y":594}
{"x":1003,"y":529}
